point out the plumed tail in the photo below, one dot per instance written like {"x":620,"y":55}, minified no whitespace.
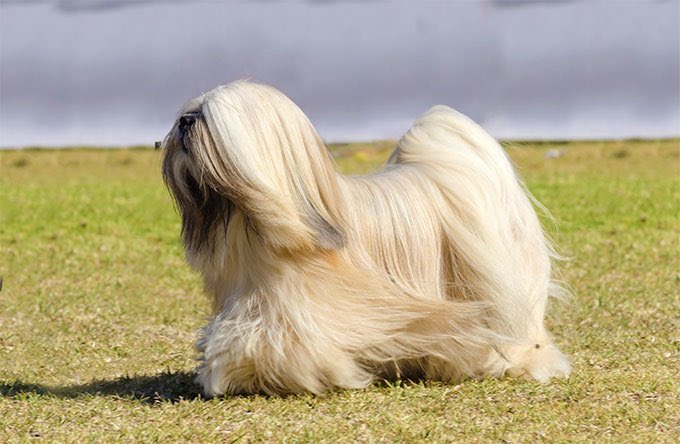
{"x":498,"y":250}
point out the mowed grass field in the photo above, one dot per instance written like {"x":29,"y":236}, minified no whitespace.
{"x":98,"y":312}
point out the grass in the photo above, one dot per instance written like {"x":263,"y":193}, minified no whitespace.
{"x":98,"y":312}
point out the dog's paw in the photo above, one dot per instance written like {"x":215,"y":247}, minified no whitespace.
{"x":540,"y":362}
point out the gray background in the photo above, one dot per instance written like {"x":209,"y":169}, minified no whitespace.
{"x":115,"y":72}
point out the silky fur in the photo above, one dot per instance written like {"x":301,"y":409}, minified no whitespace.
{"x":436,"y":267}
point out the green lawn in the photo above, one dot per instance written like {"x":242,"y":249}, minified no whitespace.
{"x":98,"y":312}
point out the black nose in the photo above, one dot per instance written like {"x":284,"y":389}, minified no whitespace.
{"x":186,"y":121}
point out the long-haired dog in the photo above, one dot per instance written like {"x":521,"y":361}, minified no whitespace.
{"x":437,"y":267}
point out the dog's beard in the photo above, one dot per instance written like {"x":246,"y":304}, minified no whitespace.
{"x":204,"y":211}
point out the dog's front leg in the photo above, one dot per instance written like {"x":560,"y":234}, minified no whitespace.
{"x":241,"y":356}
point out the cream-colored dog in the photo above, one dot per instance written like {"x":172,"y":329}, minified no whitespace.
{"x":436,"y":267}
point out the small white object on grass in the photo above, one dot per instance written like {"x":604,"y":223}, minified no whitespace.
{"x":554,"y":153}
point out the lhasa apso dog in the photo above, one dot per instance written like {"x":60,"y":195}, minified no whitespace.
{"x":436,"y":268}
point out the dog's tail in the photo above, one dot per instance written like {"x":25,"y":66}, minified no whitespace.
{"x":498,"y":249}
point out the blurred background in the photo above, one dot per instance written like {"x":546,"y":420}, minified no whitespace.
{"x":114,"y":73}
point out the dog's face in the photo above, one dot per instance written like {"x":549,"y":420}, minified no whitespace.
{"x":200,"y":205}
{"x":247,"y":149}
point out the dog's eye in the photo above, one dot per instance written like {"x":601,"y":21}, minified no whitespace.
{"x":186,"y":120}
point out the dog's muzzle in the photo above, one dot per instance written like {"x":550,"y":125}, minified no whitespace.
{"x":185,"y":122}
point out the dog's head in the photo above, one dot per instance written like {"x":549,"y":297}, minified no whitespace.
{"x":247,"y":148}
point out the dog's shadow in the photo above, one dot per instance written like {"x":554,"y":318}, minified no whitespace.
{"x":151,"y":389}
{"x":170,"y":386}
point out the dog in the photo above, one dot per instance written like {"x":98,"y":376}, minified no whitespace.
{"x":435,"y":268}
